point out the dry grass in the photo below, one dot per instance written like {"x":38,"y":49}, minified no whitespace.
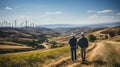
{"x":11,"y":45}
{"x":32,"y":58}
{"x":60,"y":39}
{"x":107,"y":55}
{"x":5,"y":47}
{"x":8,"y":43}
{"x":116,"y":38}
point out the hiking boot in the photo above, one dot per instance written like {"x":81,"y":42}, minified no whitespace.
{"x":83,"y":62}
{"x":73,"y":61}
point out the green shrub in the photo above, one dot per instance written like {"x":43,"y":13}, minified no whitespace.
{"x":91,"y":38}
{"x":54,"y":44}
{"x":106,"y":36}
{"x":111,"y":34}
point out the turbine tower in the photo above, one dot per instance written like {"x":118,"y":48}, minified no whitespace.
{"x":26,"y":22}
{"x":15,"y":23}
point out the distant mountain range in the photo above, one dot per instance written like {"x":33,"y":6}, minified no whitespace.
{"x":78,"y":25}
{"x":61,"y":25}
{"x":104,"y":25}
{"x":54,"y":29}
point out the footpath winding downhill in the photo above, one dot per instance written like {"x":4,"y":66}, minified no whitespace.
{"x":94,"y":58}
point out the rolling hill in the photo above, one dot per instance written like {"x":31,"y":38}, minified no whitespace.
{"x":102,"y":53}
{"x":25,"y":32}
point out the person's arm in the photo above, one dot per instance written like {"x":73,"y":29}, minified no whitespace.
{"x":78,"y":42}
{"x":86,"y":42}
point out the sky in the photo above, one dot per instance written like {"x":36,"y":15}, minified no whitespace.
{"x":60,"y":11}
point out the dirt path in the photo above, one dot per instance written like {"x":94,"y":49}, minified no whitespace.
{"x":88,"y":57}
{"x":66,"y":61}
{"x":95,"y":57}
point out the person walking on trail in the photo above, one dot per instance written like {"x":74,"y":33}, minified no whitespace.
{"x":83,"y":43}
{"x":73,"y":45}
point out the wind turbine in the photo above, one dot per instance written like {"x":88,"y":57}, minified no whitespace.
{"x":26,"y":22}
{"x":22,"y":24}
{"x":12,"y":25}
{"x":9,"y":24}
{"x":15,"y":23}
{"x":4,"y":23}
{"x":32,"y":24}
{"x":0,"y":24}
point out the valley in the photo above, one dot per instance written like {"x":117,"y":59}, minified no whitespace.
{"x":41,"y":48}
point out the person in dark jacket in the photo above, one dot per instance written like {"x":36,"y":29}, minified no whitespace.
{"x":73,"y":45}
{"x":83,"y":43}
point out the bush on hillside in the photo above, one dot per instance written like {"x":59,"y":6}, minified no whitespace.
{"x":54,"y":44}
{"x":106,"y":36}
{"x":42,"y":38}
{"x":111,"y":34}
{"x":91,"y":38}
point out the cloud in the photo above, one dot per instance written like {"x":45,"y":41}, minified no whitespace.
{"x":93,"y":16}
{"x":96,"y":16}
{"x":100,"y":12}
{"x":103,"y":18}
{"x":58,"y":12}
{"x":105,"y":11}
{"x":8,"y":8}
{"x":118,"y":14}
{"x":91,"y":11}
{"x":25,"y":17}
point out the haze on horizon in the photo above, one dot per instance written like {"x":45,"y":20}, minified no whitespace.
{"x":60,"y":11}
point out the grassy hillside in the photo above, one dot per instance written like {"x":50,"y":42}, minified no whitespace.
{"x":104,"y":53}
{"x":106,"y":33}
{"x":32,"y":58}
{"x":32,"y":37}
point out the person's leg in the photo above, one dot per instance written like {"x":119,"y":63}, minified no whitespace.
{"x":82,"y":54}
{"x":72,"y":54}
{"x":75,"y":54}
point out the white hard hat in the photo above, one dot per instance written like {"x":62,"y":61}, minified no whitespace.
{"x":72,"y":34}
{"x":82,"y":33}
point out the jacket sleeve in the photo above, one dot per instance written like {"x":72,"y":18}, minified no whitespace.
{"x":86,"y":42}
{"x":76,"y":41}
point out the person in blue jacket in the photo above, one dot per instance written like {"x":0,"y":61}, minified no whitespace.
{"x":73,"y":45}
{"x":83,"y":43}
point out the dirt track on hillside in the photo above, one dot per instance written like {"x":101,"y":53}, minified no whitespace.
{"x":66,"y":61}
{"x":94,"y":58}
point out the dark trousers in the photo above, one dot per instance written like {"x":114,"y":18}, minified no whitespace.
{"x":73,"y":54}
{"x":83,"y":54}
